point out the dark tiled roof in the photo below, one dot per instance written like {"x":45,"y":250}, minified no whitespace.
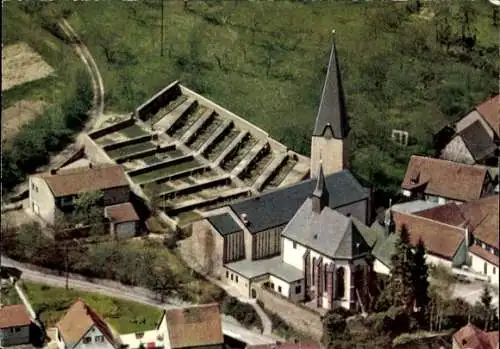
{"x":490,"y":111}
{"x":332,"y":113}
{"x":194,"y":326}
{"x":277,"y":207}
{"x":478,"y":141}
{"x":444,"y":178}
{"x":328,"y":232}
{"x":384,"y":248}
{"x":224,"y":224}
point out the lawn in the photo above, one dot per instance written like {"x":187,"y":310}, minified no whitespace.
{"x":122,"y":315}
{"x":165,"y":171}
{"x":131,"y":149}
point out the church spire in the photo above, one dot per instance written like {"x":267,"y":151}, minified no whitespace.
{"x":332,"y":113}
{"x":320,"y":196}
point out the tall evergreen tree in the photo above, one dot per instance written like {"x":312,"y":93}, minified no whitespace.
{"x":420,"y":276}
{"x":400,"y":282}
{"x":486,"y":302}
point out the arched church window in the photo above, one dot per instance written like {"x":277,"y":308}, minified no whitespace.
{"x":340,"y":282}
{"x":314,"y":271}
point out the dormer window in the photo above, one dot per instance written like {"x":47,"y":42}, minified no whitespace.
{"x":415,"y":178}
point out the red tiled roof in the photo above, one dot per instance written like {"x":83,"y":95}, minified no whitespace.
{"x":487,"y":256}
{"x":490,"y":111}
{"x":449,"y":213}
{"x":471,"y":337}
{"x":14,"y":316}
{"x":444,"y":178}
{"x":78,"y":320}
{"x":483,"y":218}
{"x":121,"y":213}
{"x":194,"y":326}
{"x":287,"y":345}
{"x":493,"y":336}
{"x":78,"y":180}
{"x":439,"y":239}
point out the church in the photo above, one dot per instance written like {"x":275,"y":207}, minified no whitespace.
{"x":308,"y":242}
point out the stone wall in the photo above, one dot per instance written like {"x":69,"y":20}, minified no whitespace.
{"x":92,"y":151}
{"x":298,"y":316}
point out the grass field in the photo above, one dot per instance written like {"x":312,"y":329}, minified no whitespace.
{"x":123,"y":316}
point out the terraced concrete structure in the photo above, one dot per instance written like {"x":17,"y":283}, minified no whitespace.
{"x":195,"y":154}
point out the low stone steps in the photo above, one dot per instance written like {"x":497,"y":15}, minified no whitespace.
{"x":249,"y":157}
{"x":167,"y":121}
{"x":225,"y":125}
{"x":200,"y":202}
{"x":299,"y":172}
{"x":196,"y":187}
{"x":202,"y":121}
{"x":230,"y":148}
{"x":260,"y":182}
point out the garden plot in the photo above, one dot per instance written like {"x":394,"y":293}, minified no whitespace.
{"x":257,"y":168}
{"x":131,"y":149}
{"x":162,"y":156}
{"x":128,"y":132}
{"x":22,"y":64}
{"x":165,"y":171}
{"x":281,"y":174}
{"x":205,"y":133}
{"x":133,"y":131}
{"x":167,"y":109}
{"x":243,"y":148}
{"x":19,"y":114}
{"x":203,"y":194}
{"x":187,"y":121}
{"x":222,"y":144}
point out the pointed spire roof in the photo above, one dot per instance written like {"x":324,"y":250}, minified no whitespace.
{"x":320,"y":196}
{"x":332,"y":113}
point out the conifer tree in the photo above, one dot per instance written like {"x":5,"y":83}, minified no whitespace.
{"x":420,"y":276}
{"x":486,"y":302}
{"x":400,"y":282}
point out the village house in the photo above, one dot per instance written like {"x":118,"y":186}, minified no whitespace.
{"x":471,"y":337}
{"x":442,"y":181}
{"x":474,"y":138}
{"x":454,"y":234}
{"x":52,"y":195}
{"x":269,"y":240}
{"x":82,"y":328}
{"x":15,"y":325}
{"x":190,"y":327}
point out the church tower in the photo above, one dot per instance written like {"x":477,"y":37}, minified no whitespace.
{"x":329,"y":138}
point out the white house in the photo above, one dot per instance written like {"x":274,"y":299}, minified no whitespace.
{"x":82,"y":328}
{"x":14,"y":325}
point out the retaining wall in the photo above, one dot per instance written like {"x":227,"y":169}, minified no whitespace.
{"x":159,"y":100}
{"x":94,"y":152}
{"x":126,"y":142}
{"x":111,"y":128}
{"x":161,"y":165}
{"x":142,"y":154}
{"x":77,"y":155}
{"x":305,"y":320}
{"x":195,"y":187}
{"x":185,"y":173}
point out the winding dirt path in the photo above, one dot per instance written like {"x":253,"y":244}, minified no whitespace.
{"x":97,"y":83}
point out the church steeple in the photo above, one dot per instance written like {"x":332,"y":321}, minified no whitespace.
{"x":332,"y":113}
{"x":320,"y":197}
{"x":330,"y":135}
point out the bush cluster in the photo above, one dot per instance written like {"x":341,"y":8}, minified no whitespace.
{"x":244,"y":313}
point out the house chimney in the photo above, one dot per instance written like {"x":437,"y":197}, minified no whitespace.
{"x":53,"y":171}
{"x":244,"y":218}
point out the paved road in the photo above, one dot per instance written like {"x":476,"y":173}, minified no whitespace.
{"x":136,"y":294}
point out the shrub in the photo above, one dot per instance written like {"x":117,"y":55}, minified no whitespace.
{"x":244,"y":313}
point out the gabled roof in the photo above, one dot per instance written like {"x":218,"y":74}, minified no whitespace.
{"x":79,"y":180}
{"x":14,"y":315}
{"x":224,"y":224}
{"x":471,"y":337}
{"x":194,"y":326}
{"x":449,"y":213}
{"x":486,"y":255}
{"x":439,"y":239}
{"x":78,"y":320}
{"x":444,"y":178}
{"x":478,"y":141}
{"x":120,"y":213}
{"x":277,"y":207}
{"x":490,"y":111}
{"x":483,"y":218}
{"x":332,"y":113}
{"x":328,"y":232}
